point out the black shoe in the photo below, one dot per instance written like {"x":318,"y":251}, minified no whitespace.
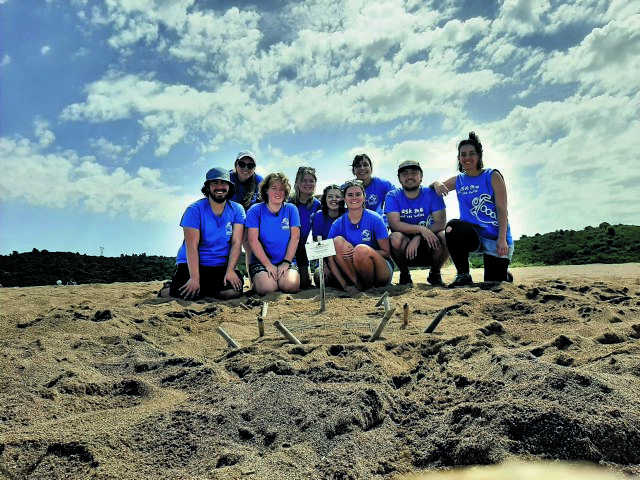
{"x":405,"y":279}
{"x":435,"y":279}
{"x":509,"y":277}
{"x":461,"y":280}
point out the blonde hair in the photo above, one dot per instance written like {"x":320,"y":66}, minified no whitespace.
{"x":302,"y":171}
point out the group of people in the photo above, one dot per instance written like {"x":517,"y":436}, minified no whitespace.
{"x":374,"y":227}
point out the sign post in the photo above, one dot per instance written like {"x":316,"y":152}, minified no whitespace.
{"x":318,"y":250}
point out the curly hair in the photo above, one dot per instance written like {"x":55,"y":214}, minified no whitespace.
{"x":473,"y":140}
{"x":274,"y":177}
{"x":207,"y":192}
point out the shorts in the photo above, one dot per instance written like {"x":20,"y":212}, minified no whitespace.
{"x":490,"y":247}
{"x":211,"y":280}
{"x":391,"y":268}
{"x":255,"y":268}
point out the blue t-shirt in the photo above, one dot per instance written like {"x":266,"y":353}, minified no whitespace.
{"x":239,"y":189}
{"x":274,"y":230}
{"x":306,"y":218}
{"x":368,"y":231}
{"x":415,"y":211}
{"x":375,"y":193}
{"x":477,"y":204}
{"x":215,"y":231}
{"x":321,"y":225}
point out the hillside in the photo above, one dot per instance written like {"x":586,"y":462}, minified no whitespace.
{"x":603,"y":244}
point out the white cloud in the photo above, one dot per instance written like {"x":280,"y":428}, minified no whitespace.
{"x":45,"y":50}
{"x":6,"y":60}
{"x":70,"y":181}
{"x":606,"y":60}
{"x":45,"y":136}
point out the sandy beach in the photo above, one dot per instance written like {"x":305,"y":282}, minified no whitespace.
{"x":110,"y":382}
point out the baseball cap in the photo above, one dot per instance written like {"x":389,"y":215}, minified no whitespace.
{"x":217,"y":173}
{"x":409,"y":164}
{"x":246,"y":153}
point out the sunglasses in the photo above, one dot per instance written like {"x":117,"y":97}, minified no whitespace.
{"x":307,"y":170}
{"x":249,"y":166}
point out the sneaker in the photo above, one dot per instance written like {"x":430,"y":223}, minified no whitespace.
{"x":461,"y":280}
{"x":405,"y":279}
{"x":509,"y":277}
{"x":435,"y":279}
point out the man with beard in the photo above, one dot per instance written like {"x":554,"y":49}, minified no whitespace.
{"x":213,"y":230}
{"x":417,"y":218}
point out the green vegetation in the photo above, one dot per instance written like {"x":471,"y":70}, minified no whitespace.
{"x":603,"y":244}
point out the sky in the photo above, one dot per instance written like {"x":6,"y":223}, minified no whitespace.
{"x":112,"y":111}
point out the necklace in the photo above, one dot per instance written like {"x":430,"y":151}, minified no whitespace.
{"x":277,"y":212}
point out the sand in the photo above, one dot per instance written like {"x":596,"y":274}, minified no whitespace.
{"x":110,"y":382}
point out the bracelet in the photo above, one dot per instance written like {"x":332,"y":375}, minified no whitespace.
{"x":287,"y":261}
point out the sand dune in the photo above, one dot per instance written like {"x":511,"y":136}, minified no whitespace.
{"x":108,"y":381}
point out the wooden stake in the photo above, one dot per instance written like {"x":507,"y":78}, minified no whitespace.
{"x":385,"y":303}
{"x":288,"y":335}
{"x":406,"y":313}
{"x":227,"y":338}
{"x":383,"y":323}
{"x":384,"y":295}
{"x":265,"y":307}
{"x":321,"y":267}
{"x":434,"y":323}
{"x":261,"y":326}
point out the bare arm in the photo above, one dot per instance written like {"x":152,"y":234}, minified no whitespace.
{"x":500,"y":195}
{"x":384,"y":248}
{"x":191,"y":241}
{"x":442,"y":188}
{"x":234,"y":256}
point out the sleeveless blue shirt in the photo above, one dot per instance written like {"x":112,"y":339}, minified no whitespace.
{"x":477,"y":204}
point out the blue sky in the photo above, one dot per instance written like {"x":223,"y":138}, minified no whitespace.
{"x":112,"y":111}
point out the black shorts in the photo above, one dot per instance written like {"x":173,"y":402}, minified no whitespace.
{"x":424,"y":258}
{"x":255,"y":268}
{"x":211,"y":280}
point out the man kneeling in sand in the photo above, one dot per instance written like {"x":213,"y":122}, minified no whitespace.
{"x":417,"y":218}
{"x":213,"y":229}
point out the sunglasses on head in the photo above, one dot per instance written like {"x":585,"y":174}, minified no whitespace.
{"x":248,"y":165}
{"x":307,"y":170}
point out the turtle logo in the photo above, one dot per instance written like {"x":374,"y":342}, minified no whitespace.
{"x":285,"y":224}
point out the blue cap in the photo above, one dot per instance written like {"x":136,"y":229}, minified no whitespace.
{"x":217,"y":173}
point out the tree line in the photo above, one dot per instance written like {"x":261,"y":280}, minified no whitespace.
{"x":602,"y":244}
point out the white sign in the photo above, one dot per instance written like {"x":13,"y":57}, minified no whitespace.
{"x":321,"y":249}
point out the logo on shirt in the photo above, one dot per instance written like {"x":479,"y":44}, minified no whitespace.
{"x":366,"y":235}
{"x":372,"y":200}
{"x":229,"y":229}
{"x":483,"y":204}
{"x":469,"y":190}
{"x":285,"y":224}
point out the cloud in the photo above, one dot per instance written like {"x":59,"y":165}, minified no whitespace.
{"x":606,"y":60}
{"x":45,"y":136}
{"x":45,"y":50}
{"x":65,"y":180}
{"x":6,"y":60}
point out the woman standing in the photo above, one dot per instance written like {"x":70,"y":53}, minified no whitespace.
{"x":304,"y":188}
{"x":362,"y":258}
{"x":483,"y":225}
{"x":274,"y":232}
{"x":332,"y":208}
{"x":375,"y":188}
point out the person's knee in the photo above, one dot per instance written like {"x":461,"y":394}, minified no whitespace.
{"x":453,"y":226}
{"x":396,"y":240}
{"x":361,"y":252}
{"x":228,"y":294}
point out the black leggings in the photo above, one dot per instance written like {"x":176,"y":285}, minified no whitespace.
{"x":462,"y":239}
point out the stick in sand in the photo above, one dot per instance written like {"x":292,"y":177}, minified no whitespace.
{"x":288,"y":335}
{"x":265,"y":307}
{"x":406,"y":313}
{"x":434,"y":323}
{"x":261,"y":326}
{"x":383,"y":323}
{"x":384,"y":295}
{"x":230,"y":341}
{"x":321,"y":267}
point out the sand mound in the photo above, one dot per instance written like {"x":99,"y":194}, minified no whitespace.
{"x":107,"y":381}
